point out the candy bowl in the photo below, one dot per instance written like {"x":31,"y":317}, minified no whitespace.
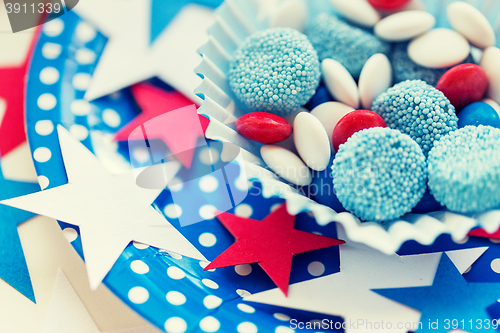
{"x":223,"y":105}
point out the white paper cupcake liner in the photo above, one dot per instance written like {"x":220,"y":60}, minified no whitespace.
{"x":235,"y":21}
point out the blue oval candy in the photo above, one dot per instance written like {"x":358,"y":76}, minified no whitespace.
{"x":478,"y":113}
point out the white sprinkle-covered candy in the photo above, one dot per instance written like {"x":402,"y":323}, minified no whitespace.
{"x":339,"y":82}
{"x":490,"y":62}
{"x":357,"y":11}
{"x":439,"y":48}
{"x":311,"y":141}
{"x":404,"y":25}
{"x":286,"y":164}
{"x":329,"y":115}
{"x":290,"y":14}
{"x":375,"y":78}
{"x":471,"y":23}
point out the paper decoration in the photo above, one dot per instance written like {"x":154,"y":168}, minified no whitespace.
{"x":168,"y":116}
{"x":129,"y":56}
{"x":347,"y":294}
{"x":13,"y":268}
{"x":67,"y":313}
{"x":450,"y":297}
{"x":271,"y":243}
{"x":480,"y":232}
{"x":12,"y":92}
{"x":111,"y":210}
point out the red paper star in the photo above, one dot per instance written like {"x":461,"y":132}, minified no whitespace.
{"x":480,"y":232}
{"x":180,"y":134}
{"x":271,"y":243}
{"x":12,"y":81}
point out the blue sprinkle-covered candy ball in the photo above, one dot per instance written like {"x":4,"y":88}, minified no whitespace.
{"x":275,"y":70}
{"x":417,"y":109}
{"x":349,"y":45}
{"x":379,"y":174}
{"x":478,"y":113}
{"x":464,"y":169}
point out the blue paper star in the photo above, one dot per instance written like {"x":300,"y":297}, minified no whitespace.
{"x":449,"y":301}
{"x":164,"y":11}
{"x":13,"y":268}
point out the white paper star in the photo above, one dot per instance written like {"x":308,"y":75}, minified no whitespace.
{"x":67,"y":313}
{"x":347,"y":294}
{"x":111,"y":210}
{"x":129,"y":58}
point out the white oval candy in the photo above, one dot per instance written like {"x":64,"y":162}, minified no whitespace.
{"x":311,"y":141}
{"x":490,"y":62}
{"x":286,"y":164}
{"x":329,"y":114}
{"x":291,"y":14}
{"x":439,"y":48}
{"x":375,"y":78}
{"x":404,"y":25}
{"x":357,"y":11}
{"x":339,"y":82}
{"x":471,"y":23}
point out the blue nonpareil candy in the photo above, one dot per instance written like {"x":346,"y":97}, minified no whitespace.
{"x":464,"y":169}
{"x":417,"y":109}
{"x":349,"y":45}
{"x":379,"y":174}
{"x":275,"y":70}
{"x":478,"y":113}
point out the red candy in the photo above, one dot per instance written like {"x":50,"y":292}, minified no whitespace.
{"x":388,"y":4}
{"x":353,"y":122}
{"x":463,"y":84}
{"x":263,"y":127}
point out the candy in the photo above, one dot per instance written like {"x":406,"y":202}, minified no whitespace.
{"x":290,"y":14}
{"x":493,"y":104}
{"x":311,"y":141}
{"x":286,"y":164}
{"x":464,"y":169}
{"x":321,"y":96}
{"x":375,"y":78}
{"x":357,"y":11}
{"x":404,"y":25}
{"x":263,"y":127}
{"x":329,"y":114}
{"x":379,"y":174}
{"x":339,"y":82}
{"x":354,"y":122}
{"x":439,"y":48}
{"x":478,"y":113}
{"x":490,"y":62}
{"x":405,"y":69}
{"x":463,"y":84}
{"x":417,"y":109}
{"x":274,"y":70}
{"x":471,"y":23}
{"x":349,"y":45}
{"x":388,"y":4}
{"x":322,"y":189}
